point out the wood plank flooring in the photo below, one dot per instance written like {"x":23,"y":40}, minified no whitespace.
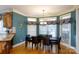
{"x":23,"y":50}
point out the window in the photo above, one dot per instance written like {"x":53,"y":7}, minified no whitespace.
{"x":47,"y":29}
{"x":65,"y":16}
{"x":52,"y":30}
{"x":2,"y":29}
{"x":43,"y":23}
{"x":43,"y":29}
{"x":31,"y":28}
{"x":65,"y":29}
{"x":1,"y":25}
{"x":66,"y":33}
{"x":48,"y":19}
{"x":32,"y":19}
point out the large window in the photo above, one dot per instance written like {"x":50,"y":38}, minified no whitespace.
{"x":1,"y":25}
{"x":66,"y":16}
{"x":48,"y":19}
{"x":32,"y":20}
{"x":2,"y":29}
{"x":43,"y":29}
{"x":65,"y":28}
{"x":66,"y":33}
{"x":31,"y":28}
{"x":52,"y":30}
{"x":47,"y":29}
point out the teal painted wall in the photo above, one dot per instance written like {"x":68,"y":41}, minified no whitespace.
{"x":58,"y":26}
{"x":19,"y":21}
{"x":73,"y":28}
{"x":38,"y":26}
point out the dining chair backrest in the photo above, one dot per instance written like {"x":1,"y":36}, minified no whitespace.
{"x":34,"y":39}
{"x":45,"y":40}
{"x":59,"y":39}
{"x":27,"y":37}
{"x":49,"y":36}
{"x":40,"y":36}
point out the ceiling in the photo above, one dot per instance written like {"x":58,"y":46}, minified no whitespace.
{"x":37,"y":10}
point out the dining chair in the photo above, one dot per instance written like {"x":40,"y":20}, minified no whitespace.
{"x":39,"y":38}
{"x":49,"y":36}
{"x":35,"y":41}
{"x":46,"y":43}
{"x":27,"y":40}
{"x":56,"y":42}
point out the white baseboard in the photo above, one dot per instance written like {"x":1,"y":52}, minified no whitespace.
{"x":70,"y":47}
{"x":18,"y":44}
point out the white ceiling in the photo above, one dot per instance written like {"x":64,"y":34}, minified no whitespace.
{"x":37,"y":10}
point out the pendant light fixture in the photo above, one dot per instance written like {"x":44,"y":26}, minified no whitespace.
{"x":43,"y":22}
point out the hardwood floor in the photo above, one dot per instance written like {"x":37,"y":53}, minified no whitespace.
{"x":23,"y":50}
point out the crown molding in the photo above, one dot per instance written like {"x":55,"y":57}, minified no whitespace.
{"x":16,"y":11}
{"x":6,"y":10}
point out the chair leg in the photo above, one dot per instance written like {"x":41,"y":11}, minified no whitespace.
{"x":25,"y":44}
{"x":36,"y":45}
{"x":32,"y":45}
{"x":59,"y":46}
{"x":58,"y":49}
{"x":51,"y":47}
{"x":40,"y":44}
{"x":44,"y":49}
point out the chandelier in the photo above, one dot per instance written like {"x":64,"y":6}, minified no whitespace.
{"x":43,"y":18}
